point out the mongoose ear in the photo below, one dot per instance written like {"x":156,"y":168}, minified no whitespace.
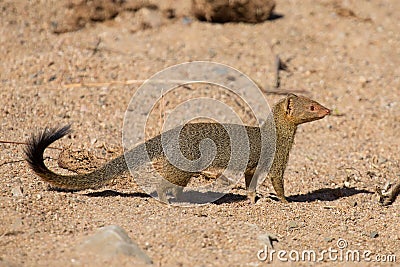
{"x":289,"y":104}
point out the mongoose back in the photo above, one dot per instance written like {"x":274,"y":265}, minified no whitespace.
{"x":287,"y":114}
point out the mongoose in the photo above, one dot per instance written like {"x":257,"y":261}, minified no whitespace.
{"x":287,"y":114}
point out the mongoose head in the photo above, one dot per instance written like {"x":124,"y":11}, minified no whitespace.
{"x":300,"y":109}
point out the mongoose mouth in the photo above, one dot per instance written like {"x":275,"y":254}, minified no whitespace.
{"x":325,"y":112}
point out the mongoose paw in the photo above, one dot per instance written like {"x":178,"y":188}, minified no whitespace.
{"x":283,"y":199}
{"x":252,"y":196}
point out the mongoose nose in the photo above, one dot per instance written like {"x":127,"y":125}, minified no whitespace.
{"x":328,"y":112}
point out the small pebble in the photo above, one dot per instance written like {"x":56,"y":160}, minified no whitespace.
{"x":52,"y":78}
{"x":362,"y":79}
{"x":186,"y":21}
{"x":373,"y":234}
{"x":293,"y":225}
{"x":17,"y":192}
{"x":268,"y":239}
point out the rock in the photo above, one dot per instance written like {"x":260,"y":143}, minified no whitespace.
{"x":373,"y":234}
{"x":5,"y":263}
{"x":74,"y":15}
{"x":112,"y":240}
{"x":252,"y":11}
{"x":268,"y":239}
{"x":186,"y":21}
{"x":17,"y":192}
{"x":149,"y":18}
{"x":293,"y":225}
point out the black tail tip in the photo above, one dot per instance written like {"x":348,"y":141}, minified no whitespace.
{"x":38,"y":142}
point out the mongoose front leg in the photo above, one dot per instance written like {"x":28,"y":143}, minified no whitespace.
{"x":277,"y":183}
{"x":250,"y":187}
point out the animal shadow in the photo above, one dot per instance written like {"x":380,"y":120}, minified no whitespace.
{"x":112,"y":193}
{"x":192,"y":197}
{"x":275,"y":16}
{"x":195,"y":197}
{"x":199,"y":198}
{"x":328,"y":194}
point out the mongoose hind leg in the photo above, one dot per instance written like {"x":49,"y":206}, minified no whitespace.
{"x":173,"y":180}
{"x":164,"y":187}
{"x":177,"y":192}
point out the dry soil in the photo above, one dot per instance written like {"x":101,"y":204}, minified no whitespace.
{"x":344,"y":54}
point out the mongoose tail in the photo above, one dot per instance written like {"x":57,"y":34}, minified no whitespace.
{"x":288,"y":114}
{"x":34,"y":156}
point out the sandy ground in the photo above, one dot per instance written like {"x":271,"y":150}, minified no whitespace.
{"x":344,"y":54}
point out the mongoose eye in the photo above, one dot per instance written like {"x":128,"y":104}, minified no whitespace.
{"x":312,"y":108}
